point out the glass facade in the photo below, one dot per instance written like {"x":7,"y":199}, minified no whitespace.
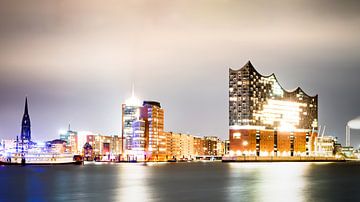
{"x":257,"y":100}
{"x":267,"y":120}
{"x":130,"y":115}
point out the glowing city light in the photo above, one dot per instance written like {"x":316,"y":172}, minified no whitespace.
{"x":285,"y":114}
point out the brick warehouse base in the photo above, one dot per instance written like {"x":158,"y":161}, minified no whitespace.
{"x":251,"y":142}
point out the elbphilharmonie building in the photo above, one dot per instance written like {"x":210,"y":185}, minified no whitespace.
{"x":267,"y":120}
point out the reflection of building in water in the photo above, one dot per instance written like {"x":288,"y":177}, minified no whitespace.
{"x":267,"y":120}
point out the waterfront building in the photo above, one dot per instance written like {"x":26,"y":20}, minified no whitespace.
{"x":147,"y":141}
{"x":67,"y":137}
{"x":105,"y":145}
{"x":57,"y":146}
{"x":152,"y":116}
{"x":220,"y":147}
{"x":325,"y":146}
{"x":101,"y":145}
{"x":210,"y":146}
{"x":77,"y":140}
{"x":130,"y":114}
{"x":180,"y":146}
{"x":267,"y":120}
{"x":73,"y":142}
{"x":199,"y":146}
{"x":139,"y":140}
{"x":88,"y":152}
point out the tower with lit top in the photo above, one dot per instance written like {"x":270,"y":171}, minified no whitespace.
{"x":130,"y":114}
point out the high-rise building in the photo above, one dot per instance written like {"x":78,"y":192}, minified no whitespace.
{"x":265,"y":119}
{"x":139,"y":140}
{"x":147,"y":140}
{"x":26,"y":125}
{"x":130,"y":114}
{"x":155,"y":140}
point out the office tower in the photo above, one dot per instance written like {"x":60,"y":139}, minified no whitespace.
{"x":130,"y":114}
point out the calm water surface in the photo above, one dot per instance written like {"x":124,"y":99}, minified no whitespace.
{"x":183,"y":182}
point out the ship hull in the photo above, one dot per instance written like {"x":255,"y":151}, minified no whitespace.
{"x":40,"y":164}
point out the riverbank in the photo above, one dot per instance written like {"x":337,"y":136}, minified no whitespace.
{"x":281,"y":159}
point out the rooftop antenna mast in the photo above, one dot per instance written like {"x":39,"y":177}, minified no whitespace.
{"x":322,"y":135}
{"x":133,"y":90}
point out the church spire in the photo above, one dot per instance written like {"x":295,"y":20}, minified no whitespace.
{"x":25,"y":124}
{"x":26,"y":106}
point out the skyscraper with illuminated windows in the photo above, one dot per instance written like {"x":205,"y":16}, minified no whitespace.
{"x":155,"y":140}
{"x":142,"y":130}
{"x":267,"y":120}
{"x":130,"y":114}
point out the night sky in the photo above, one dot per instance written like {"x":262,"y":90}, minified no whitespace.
{"x":77,"y":60}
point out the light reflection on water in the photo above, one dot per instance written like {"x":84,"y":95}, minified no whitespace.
{"x":132,"y":183}
{"x":183,"y":182}
{"x":267,"y":181}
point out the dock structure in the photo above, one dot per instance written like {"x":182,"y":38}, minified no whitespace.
{"x":281,"y":159}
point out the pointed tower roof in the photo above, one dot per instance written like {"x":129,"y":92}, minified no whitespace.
{"x":26,"y":106}
{"x":25,"y":124}
{"x":249,"y":64}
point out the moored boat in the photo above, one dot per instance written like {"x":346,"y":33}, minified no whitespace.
{"x":40,"y":159}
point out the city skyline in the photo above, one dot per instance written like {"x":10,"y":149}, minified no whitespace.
{"x":77,"y":63}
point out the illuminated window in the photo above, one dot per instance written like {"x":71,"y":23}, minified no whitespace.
{"x":236,"y":135}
